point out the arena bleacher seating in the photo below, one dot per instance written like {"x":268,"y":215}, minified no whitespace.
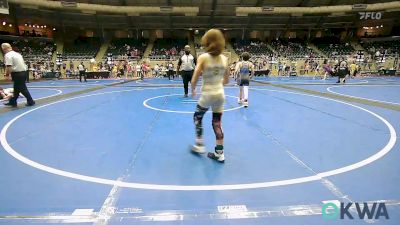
{"x":334,"y":48}
{"x":33,"y":49}
{"x":389,"y":48}
{"x":293,"y":49}
{"x":254,"y":47}
{"x":168,"y":48}
{"x":81,"y":48}
{"x":129,"y":48}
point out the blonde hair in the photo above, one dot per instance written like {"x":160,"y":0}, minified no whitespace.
{"x":6,"y":46}
{"x":213,"y":41}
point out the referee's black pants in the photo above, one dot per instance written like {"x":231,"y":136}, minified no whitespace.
{"x":187,"y":77}
{"x":170,"y":73}
{"x":19,"y":79}
{"x":82,"y":74}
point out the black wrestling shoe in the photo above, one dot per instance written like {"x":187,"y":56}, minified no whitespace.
{"x":30,"y":104}
{"x":246,"y":103}
{"x":10,"y":104}
{"x":218,"y":157}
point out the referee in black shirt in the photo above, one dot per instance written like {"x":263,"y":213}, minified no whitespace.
{"x":186,"y":65}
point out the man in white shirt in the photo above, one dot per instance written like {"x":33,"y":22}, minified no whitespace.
{"x":82,"y":72}
{"x":170,"y":71}
{"x":186,"y":64}
{"x":138,"y":70}
{"x":16,"y":66}
{"x":156,"y":70}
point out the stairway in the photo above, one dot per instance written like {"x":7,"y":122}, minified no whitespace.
{"x":149,"y":47}
{"x":271,"y":48}
{"x":319,"y":52}
{"x":102,"y":51}
{"x":357,"y":46}
{"x":60,"y":48}
{"x":197,"y":41}
{"x":192,"y":46}
{"x":234,"y":55}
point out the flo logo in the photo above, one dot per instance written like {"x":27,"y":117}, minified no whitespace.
{"x":370,"y":15}
{"x":331,"y":211}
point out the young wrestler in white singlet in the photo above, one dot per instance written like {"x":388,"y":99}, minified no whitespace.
{"x":214,"y":68}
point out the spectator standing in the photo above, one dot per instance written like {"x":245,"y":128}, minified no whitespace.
{"x":82,"y":72}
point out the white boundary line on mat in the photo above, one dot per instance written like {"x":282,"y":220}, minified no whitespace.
{"x":352,"y":96}
{"x":382,"y":152}
{"x":145,"y":103}
{"x":54,"y":89}
{"x":303,"y":82}
{"x":83,"y":84}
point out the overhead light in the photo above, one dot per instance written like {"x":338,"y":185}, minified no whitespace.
{"x":370,"y":27}
{"x":41,"y":26}
{"x":26,"y":24}
{"x":377,"y":26}
{"x":54,"y":28}
{"x":381,"y":25}
{"x":4,"y":23}
{"x":44,"y":26}
{"x":10,"y":25}
{"x":30,"y":25}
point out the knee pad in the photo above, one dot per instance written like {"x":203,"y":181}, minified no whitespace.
{"x":199,"y":113}
{"x":216,"y":123}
